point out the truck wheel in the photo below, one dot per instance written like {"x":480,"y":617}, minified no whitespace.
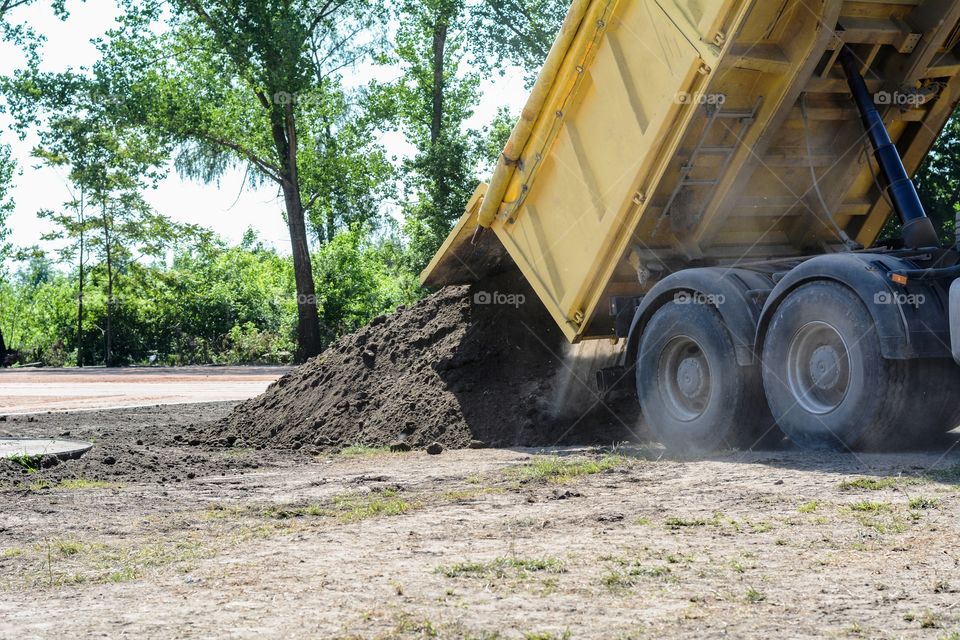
{"x":693,"y":393}
{"x":827,"y":383}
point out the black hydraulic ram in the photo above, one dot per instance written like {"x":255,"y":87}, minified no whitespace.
{"x":918,"y":230}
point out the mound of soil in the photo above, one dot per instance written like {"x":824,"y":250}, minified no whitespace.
{"x":449,"y":369}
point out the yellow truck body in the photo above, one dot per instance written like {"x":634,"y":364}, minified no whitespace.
{"x":669,"y":133}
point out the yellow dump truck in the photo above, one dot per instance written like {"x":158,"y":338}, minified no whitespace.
{"x":707,"y":180}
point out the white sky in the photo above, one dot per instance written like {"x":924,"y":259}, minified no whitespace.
{"x":230,"y":207}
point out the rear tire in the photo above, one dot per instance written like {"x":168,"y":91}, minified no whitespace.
{"x":830,"y":387}
{"x":694,"y":395}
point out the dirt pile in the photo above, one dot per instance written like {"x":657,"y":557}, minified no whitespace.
{"x":483,"y":364}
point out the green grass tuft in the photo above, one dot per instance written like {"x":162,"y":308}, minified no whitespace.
{"x":555,"y":469}
{"x":502,"y":567}
{"x":878,"y":484}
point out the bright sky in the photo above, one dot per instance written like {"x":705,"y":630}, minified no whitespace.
{"x":230,"y":207}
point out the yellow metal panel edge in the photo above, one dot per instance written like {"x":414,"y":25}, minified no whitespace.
{"x":506,"y":164}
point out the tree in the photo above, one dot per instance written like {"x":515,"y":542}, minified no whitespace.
{"x":7,"y":169}
{"x":109,"y":167}
{"x":247,"y":82}
{"x":434,"y":98}
{"x":517,"y":32}
{"x":938,"y":180}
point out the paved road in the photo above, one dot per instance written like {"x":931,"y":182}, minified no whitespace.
{"x":38,"y":390}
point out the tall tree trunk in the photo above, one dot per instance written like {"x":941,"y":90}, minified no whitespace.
{"x":108,"y":344}
{"x":3,"y":351}
{"x":80,"y":290}
{"x":308,"y":319}
{"x":309,"y":343}
{"x":439,"y":50}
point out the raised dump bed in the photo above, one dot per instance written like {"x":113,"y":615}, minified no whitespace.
{"x":665,"y":134}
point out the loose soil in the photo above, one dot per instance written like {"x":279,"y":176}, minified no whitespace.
{"x":499,"y":543}
{"x":446,"y":370}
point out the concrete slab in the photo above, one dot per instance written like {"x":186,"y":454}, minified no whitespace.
{"x":63,"y":449}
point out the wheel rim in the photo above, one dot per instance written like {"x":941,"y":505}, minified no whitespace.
{"x":818,"y":368}
{"x":684,"y":375}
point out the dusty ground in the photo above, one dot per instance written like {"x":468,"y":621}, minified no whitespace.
{"x":578,"y":543}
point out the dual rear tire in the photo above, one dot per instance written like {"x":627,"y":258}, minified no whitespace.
{"x":822,"y":380}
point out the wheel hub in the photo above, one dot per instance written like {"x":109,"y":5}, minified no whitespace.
{"x":690,"y":377}
{"x":825,"y":367}
{"x":818,"y":368}
{"x":684,"y":376}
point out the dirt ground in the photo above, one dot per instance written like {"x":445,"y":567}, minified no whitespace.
{"x":567,"y":543}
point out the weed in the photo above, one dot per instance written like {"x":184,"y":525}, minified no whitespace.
{"x":868,"y":506}
{"x":921,"y":502}
{"x":363,"y":451}
{"x":502,"y":567}
{"x":348,"y":508}
{"x":878,"y":484}
{"x":754,"y":596}
{"x":558,"y":470}
{"x":80,"y":484}
{"x":31,"y":463}
{"x":546,"y":635}
{"x":679,"y":523}
{"x":809,"y":507}
{"x":928,"y":620}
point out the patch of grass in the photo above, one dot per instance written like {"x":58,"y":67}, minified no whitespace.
{"x":348,"y":508}
{"x":31,"y":463}
{"x":929,"y":620}
{"x":80,"y":484}
{"x":921,"y":502}
{"x":557,"y":470}
{"x":878,"y":484}
{"x":363,"y":451}
{"x":809,"y":507}
{"x":868,"y":506}
{"x":882,"y":526}
{"x":503,"y":567}
{"x":71,"y":484}
{"x":679,"y":523}
{"x":68,"y":562}
{"x":12,"y":552}
{"x":466,"y":495}
{"x":754,"y":596}
{"x":374,"y":505}
{"x":629,"y":573}
{"x":546,"y":635}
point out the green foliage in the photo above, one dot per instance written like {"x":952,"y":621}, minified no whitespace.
{"x":517,"y":32}
{"x":359,"y":278}
{"x":432,"y":101}
{"x":938,"y":182}
{"x":7,"y":170}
